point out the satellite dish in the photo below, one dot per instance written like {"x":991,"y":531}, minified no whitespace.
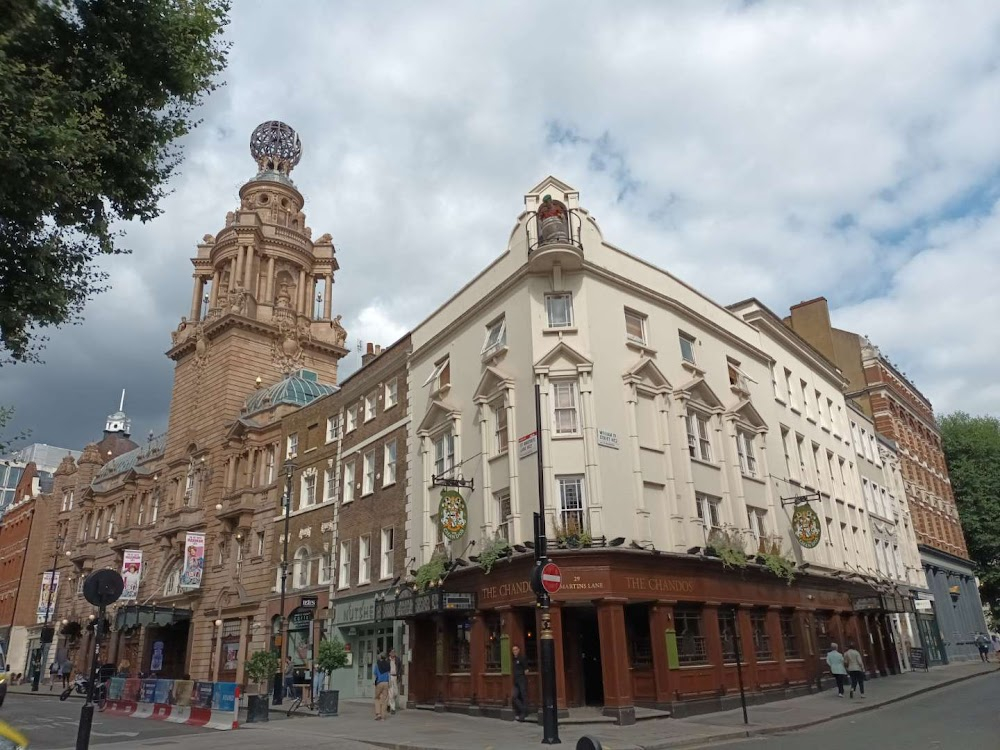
{"x":103,"y":587}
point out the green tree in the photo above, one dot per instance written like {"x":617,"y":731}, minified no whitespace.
{"x":972,"y":448}
{"x":93,"y":97}
{"x":7,"y":443}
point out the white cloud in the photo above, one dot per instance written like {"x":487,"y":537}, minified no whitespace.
{"x":800,"y":148}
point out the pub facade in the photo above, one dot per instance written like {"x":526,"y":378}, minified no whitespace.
{"x":698,"y":473}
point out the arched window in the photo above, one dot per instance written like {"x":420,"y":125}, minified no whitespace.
{"x":172,"y":583}
{"x":301,"y":569}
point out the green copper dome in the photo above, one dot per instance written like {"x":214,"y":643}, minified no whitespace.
{"x":298,"y":389}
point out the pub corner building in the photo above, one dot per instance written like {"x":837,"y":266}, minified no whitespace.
{"x":664,"y":449}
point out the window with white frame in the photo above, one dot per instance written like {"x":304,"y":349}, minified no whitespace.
{"x":348,"y":481}
{"x":496,"y":336}
{"x":801,"y":451}
{"x":260,"y":544}
{"x":368,"y":467}
{"x":737,"y":378}
{"x":786,"y":446}
{"x":806,"y":404}
{"x":172,"y":584}
{"x":829,"y":415}
{"x":856,"y":437}
{"x":352,"y":418}
{"x":66,"y":503}
{"x":330,"y":485}
{"x":774,"y":381}
{"x":788,"y":388}
{"x":687,"y":344}
{"x":565,"y":400}
{"x":154,"y":512}
{"x":344,"y":579}
{"x":332,"y":428}
{"x":444,"y":453}
{"x":500,"y":433}
{"x":292,"y":445}
{"x":699,"y":442}
{"x":307,"y":498}
{"x":301,"y":568}
{"x":635,"y":326}
{"x":745,"y":449}
{"x":189,"y":485}
{"x":559,"y":310}
{"x":391,"y":393}
{"x":325,"y":567}
{"x":708,"y":509}
{"x":572,"y":505}
{"x":364,"y":559}
{"x":269,"y":464}
{"x":440,"y":376}
{"x":141,"y":511}
{"x":389,"y":464}
{"x":370,"y":407}
{"x":501,"y":500}
{"x":757,"y":518}
{"x":387,"y":568}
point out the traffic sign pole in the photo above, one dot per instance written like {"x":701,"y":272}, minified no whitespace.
{"x":547,"y":647}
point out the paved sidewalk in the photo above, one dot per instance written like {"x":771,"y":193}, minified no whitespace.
{"x":355,"y":726}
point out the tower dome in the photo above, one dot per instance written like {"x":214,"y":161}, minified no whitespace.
{"x":276,"y":148}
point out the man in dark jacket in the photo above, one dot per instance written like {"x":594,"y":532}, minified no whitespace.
{"x":519,"y":699}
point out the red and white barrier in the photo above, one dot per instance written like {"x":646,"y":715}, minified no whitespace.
{"x":189,"y":715}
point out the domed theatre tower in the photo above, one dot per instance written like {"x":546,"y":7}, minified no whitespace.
{"x":260,"y":306}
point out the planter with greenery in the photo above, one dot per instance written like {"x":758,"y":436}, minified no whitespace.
{"x":431,"y":571}
{"x":727,"y":545}
{"x":260,"y":669}
{"x":771,"y":556}
{"x":332,"y":655}
{"x":493,"y":550}
{"x":572,"y":534}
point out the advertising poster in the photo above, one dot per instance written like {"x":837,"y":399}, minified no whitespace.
{"x":224,"y":698}
{"x":156,"y":660}
{"x":194,"y":560}
{"x":202,"y":695}
{"x":131,"y":572}
{"x":148,"y":691}
{"x":230,"y":656}
{"x":50,"y":587}
{"x":182,"y":692}
{"x":164,"y":691}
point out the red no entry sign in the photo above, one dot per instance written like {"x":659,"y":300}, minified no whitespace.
{"x":551,"y":577}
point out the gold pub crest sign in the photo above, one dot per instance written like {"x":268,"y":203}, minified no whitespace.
{"x":806,"y":526}
{"x":453,"y":514}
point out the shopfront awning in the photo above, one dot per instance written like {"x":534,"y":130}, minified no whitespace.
{"x":410,"y":604}
{"x":145,"y":615}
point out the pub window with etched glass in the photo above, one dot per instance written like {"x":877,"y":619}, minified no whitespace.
{"x":493,"y":643}
{"x":823,"y":635}
{"x":459,"y":645}
{"x":640,"y":649}
{"x":761,"y":638}
{"x":690,"y":641}
{"x":727,"y":634}
{"x":789,"y":637}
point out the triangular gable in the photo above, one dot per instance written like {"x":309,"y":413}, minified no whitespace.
{"x":646,"y":372}
{"x":437,"y":412}
{"x":490,"y":382}
{"x":563,"y":357}
{"x":550,"y":183}
{"x":699,"y":389}
{"x":749,"y":414}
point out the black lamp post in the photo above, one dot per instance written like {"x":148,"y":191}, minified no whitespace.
{"x":287,"y":502}
{"x":47,"y":632}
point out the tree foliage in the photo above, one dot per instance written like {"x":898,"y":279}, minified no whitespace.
{"x":972,"y":448}
{"x":8,"y":442}
{"x":93,"y":97}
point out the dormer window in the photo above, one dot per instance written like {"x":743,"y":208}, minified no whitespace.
{"x":496,"y":337}
{"x":440,"y":376}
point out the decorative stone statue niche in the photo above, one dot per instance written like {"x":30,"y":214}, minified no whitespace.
{"x":553,"y":225}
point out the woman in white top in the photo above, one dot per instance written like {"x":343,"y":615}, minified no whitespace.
{"x":835,"y":660}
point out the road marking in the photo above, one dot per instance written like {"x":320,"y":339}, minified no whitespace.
{"x":113,"y":734}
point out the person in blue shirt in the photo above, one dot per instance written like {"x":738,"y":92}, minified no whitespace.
{"x":381,"y":671}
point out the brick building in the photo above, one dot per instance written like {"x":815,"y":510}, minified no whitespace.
{"x":951,"y":609}
{"x":260,"y":342}
{"x":350,"y":445}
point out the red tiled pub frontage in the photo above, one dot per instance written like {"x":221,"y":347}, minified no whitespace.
{"x":633,"y":628}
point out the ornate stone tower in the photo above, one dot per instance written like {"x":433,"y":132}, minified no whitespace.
{"x":260,"y":307}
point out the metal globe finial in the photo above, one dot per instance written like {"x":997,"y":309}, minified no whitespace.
{"x":275,"y":147}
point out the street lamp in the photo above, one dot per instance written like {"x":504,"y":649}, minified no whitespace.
{"x":287,"y":502}
{"x":47,"y":632}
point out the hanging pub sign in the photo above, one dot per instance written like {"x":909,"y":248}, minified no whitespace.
{"x":453,"y":515}
{"x":806,"y":526}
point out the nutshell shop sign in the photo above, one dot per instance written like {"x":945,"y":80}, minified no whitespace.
{"x":351,"y":613}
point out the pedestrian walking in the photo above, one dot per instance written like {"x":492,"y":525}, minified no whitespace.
{"x":835,"y":660}
{"x":395,"y":680}
{"x":519,"y":698}
{"x":319,"y":679}
{"x":53,"y":673}
{"x":983,"y":642}
{"x":855,"y":668}
{"x":289,"y":678}
{"x":381,"y":672}
{"x":64,"y":671}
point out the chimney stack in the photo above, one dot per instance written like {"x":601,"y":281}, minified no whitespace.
{"x":371,"y":352}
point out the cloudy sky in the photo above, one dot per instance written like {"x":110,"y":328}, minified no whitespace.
{"x":779,"y":150}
